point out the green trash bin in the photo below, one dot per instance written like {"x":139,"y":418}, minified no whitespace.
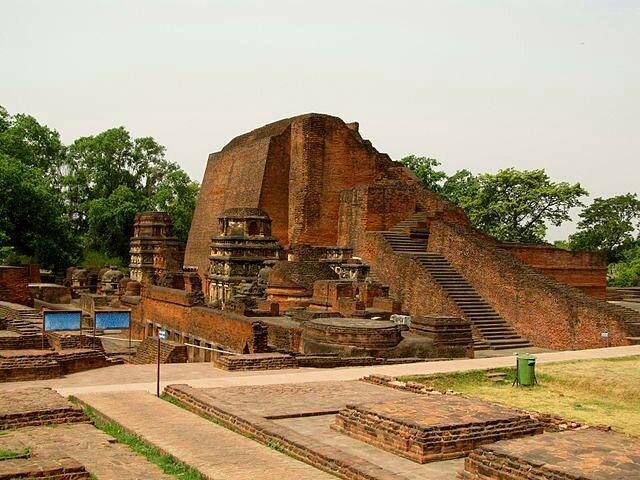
{"x":526,"y":370}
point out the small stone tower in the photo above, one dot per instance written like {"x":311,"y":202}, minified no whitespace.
{"x":238,"y":254}
{"x":154,"y":250}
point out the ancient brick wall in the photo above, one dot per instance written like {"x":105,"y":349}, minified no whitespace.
{"x":14,"y":283}
{"x":372,"y":207}
{"x":408,"y":281}
{"x":586,"y":271}
{"x":171,"y":309}
{"x":293,"y":169}
{"x":232,"y":179}
{"x":541,"y":309}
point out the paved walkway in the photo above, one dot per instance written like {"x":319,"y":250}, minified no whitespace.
{"x":142,"y":377}
{"x":213,"y":450}
{"x":94,"y":449}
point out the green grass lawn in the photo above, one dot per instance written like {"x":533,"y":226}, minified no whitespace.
{"x":9,"y":454}
{"x":589,"y":391}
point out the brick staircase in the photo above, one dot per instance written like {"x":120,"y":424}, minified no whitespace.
{"x":28,"y":322}
{"x":170,"y":352}
{"x":490,"y":330}
{"x":21,"y":319}
{"x":409,"y":235}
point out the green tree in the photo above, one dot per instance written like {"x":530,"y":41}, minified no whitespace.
{"x":517,"y":205}
{"x":461,"y":187}
{"x":608,"y":225}
{"x":626,"y":273}
{"x":32,"y":220}
{"x":24,"y":139}
{"x":111,"y":176}
{"x":98,"y":165}
{"x":425,"y":169}
{"x":110,"y":223}
{"x":176,"y":194}
{"x":511,"y":205}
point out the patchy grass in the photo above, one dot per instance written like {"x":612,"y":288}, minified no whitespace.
{"x":168,"y":464}
{"x":9,"y":454}
{"x":590,"y":391}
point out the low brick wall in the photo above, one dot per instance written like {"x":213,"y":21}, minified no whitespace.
{"x":80,"y":360}
{"x":36,"y":406}
{"x":172,"y":309}
{"x":72,"y":340}
{"x":256,"y":361}
{"x":23,"y":342}
{"x":451,"y":335}
{"x":170,"y":352}
{"x":579,"y":454}
{"x":16,"y":366}
{"x":50,"y":468}
{"x":431,"y":428}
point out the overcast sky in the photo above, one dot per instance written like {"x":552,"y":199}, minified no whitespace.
{"x":477,"y":84}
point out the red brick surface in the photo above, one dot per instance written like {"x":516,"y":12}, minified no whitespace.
{"x":14,"y":283}
{"x":584,"y":270}
{"x":170,"y":308}
{"x":546,"y":312}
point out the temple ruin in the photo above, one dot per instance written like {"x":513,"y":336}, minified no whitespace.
{"x":308,"y":241}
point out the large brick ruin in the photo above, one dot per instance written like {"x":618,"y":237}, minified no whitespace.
{"x":307,"y":241}
{"x":303,"y":220}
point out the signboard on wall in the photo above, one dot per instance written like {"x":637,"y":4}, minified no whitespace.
{"x":55,"y":320}
{"x":112,"y":319}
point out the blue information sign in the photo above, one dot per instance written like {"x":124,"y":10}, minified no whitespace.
{"x":112,"y":319}
{"x":62,"y":320}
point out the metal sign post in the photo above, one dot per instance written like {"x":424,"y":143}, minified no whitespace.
{"x":162,"y":335}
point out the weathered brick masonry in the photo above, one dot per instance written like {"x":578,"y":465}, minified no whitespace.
{"x":584,"y":270}
{"x":321,"y":183}
{"x":14,"y":283}
{"x":541,"y":309}
{"x":172,"y":309}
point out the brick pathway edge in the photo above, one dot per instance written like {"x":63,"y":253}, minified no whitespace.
{"x":107,"y":419}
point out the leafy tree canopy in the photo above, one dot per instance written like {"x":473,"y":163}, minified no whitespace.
{"x":176,"y":194}
{"x":35,"y":145}
{"x":511,"y":205}
{"x":626,"y":273}
{"x":608,"y":225}
{"x":32,"y":221}
{"x":425,"y":169}
{"x":59,"y":201}
{"x":517,"y":205}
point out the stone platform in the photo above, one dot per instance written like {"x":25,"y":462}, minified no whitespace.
{"x":256,"y":361}
{"x":36,"y":406}
{"x":359,"y":332}
{"x":429,"y":428}
{"x":588,"y":454}
{"x":297,"y":418}
{"x":21,"y":365}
